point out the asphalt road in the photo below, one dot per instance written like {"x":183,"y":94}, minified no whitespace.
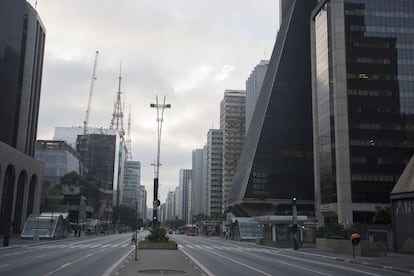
{"x":222,"y":257}
{"x":94,"y":255}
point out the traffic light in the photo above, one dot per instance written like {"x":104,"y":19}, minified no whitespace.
{"x":154,"y":218}
{"x":294,"y":200}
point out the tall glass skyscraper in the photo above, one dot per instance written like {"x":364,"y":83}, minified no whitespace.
{"x":363,"y":104}
{"x":276,"y":160}
{"x":22,"y":40}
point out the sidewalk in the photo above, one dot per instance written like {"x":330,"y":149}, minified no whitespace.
{"x":158,"y":262}
{"x":16,"y":242}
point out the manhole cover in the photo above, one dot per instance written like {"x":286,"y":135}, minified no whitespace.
{"x":162,"y":271}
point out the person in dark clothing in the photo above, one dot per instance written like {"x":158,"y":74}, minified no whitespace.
{"x":7,"y":233}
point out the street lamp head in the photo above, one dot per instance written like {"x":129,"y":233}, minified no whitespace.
{"x":152,"y":105}
{"x":168,"y":106}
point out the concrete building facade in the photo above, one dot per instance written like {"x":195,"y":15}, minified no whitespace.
{"x":185,"y":176}
{"x":199,"y":182}
{"x":253,"y":87}
{"x":232,"y":125}
{"x":214,"y":172}
{"x":131,"y":183}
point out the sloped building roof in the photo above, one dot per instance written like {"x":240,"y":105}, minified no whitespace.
{"x":405,"y":183}
{"x":276,"y":162}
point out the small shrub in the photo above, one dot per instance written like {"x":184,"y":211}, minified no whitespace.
{"x":158,"y":234}
{"x":333,"y":231}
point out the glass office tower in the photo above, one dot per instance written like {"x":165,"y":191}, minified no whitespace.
{"x":363,"y":104}
{"x":276,"y":162}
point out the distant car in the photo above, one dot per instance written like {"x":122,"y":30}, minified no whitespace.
{"x":180,"y":231}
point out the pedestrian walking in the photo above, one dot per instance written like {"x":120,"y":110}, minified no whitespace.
{"x":7,"y":233}
{"x":134,"y":237}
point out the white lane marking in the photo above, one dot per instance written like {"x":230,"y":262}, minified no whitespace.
{"x":240,"y":263}
{"x":189,"y":246}
{"x":75,"y":246}
{"x":40,"y":256}
{"x":106,"y":245}
{"x":1,"y":266}
{"x":332,"y":265}
{"x":194,"y":260}
{"x":308,"y":269}
{"x":95,"y":245}
{"x":115,"y":265}
{"x":70,"y":263}
{"x":124,"y":245}
{"x":65,"y":265}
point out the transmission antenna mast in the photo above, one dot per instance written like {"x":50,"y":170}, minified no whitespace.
{"x":85,"y":123}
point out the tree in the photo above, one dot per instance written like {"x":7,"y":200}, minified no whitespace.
{"x":382,"y":215}
{"x":125,"y":215}
{"x":50,"y":204}
{"x":50,"y":198}
{"x":74,"y":184}
{"x":71,"y":183}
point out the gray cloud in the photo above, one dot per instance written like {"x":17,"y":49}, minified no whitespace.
{"x":190,"y":51}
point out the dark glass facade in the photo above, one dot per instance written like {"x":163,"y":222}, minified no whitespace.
{"x":97,"y":154}
{"x":379,"y":77}
{"x":276,"y":161}
{"x":11,"y":34}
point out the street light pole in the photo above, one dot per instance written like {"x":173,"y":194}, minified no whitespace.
{"x":160,"y":114}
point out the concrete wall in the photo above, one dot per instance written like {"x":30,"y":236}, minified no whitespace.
{"x":364,"y":248}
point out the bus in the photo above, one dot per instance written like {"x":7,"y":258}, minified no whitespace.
{"x":191,"y":231}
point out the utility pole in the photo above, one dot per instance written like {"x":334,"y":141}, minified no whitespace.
{"x":160,"y":114}
{"x":136,"y":231}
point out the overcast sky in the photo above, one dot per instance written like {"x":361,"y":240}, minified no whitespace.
{"x":188,"y":50}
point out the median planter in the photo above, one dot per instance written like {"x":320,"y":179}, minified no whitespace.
{"x":157,"y":240}
{"x":170,"y":245}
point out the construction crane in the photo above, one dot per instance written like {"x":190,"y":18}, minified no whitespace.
{"x":128,"y":140}
{"x":85,"y":123}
